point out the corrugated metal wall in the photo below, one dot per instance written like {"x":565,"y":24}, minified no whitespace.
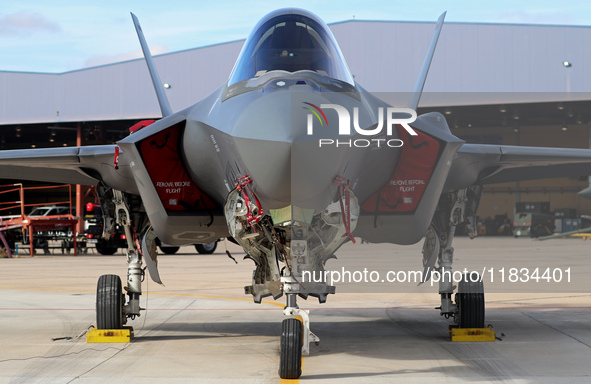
{"x":383,"y":56}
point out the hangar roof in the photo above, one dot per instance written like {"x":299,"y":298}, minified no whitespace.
{"x":474,"y":64}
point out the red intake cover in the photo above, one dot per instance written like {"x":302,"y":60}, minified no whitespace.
{"x":176,"y":190}
{"x":411,"y":176}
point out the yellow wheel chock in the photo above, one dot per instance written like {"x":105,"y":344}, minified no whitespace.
{"x":471,"y":334}
{"x":109,"y":335}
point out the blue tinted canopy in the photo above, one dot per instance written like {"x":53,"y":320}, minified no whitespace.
{"x":291,"y":40}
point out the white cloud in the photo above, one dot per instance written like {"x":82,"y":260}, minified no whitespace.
{"x":25,"y":23}
{"x":95,"y":61}
{"x":550,"y":16}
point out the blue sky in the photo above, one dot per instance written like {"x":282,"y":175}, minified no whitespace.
{"x":59,"y":36}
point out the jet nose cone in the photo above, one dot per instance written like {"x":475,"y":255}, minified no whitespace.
{"x":299,"y":173}
{"x":285,"y":163}
{"x":281,"y":150}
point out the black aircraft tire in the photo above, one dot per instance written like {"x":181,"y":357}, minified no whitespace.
{"x":169,"y":250}
{"x":470,"y":301}
{"x":290,"y":365}
{"x":109,"y":303}
{"x":206,"y":249}
{"x":106,"y":251}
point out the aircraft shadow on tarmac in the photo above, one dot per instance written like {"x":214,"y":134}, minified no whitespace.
{"x":397,"y":335}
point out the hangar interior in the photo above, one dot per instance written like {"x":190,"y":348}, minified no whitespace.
{"x":526,"y":65}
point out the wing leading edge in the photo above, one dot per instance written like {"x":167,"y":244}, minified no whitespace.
{"x":489,"y":164}
{"x":71,"y":165}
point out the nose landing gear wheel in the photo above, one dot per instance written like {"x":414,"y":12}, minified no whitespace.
{"x":109,"y":303}
{"x":290,"y":366}
{"x":470,"y":301}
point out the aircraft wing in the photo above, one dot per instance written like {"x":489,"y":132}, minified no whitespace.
{"x":70,"y":165}
{"x":489,"y":164}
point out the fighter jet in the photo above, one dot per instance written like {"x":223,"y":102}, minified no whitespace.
{"x":290,"y":159}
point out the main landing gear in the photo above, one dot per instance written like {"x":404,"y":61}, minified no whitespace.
{"x":112,"y":310}
{"x":455,"y":208}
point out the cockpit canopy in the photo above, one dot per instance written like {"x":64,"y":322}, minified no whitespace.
{"x":291,"y":41}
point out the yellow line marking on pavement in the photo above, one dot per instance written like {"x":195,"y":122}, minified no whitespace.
{"x":289,"y":381}
{"x":149,"y":293}
{"x":293,"y":381}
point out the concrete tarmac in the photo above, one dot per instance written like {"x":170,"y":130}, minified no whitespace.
{"x":201,"y":328}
